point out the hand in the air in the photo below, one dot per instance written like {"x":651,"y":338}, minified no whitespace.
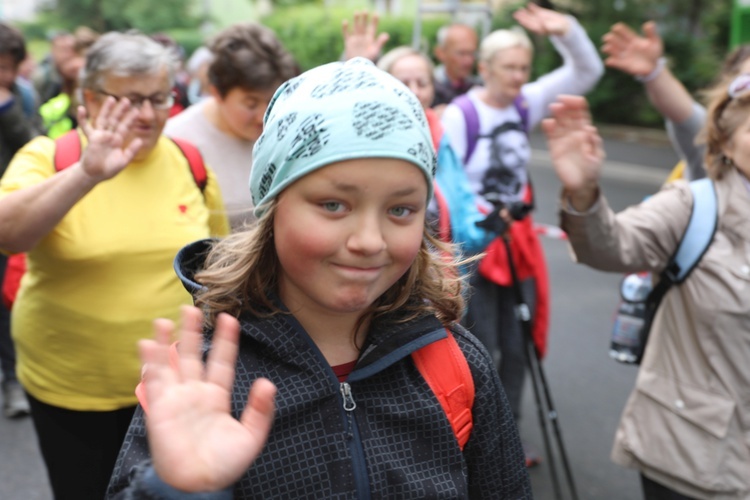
{"x":542,"y":21}
{"x":361,"y":39}
{"x":575,"y":147}
{"x":631,"y":53}
{"x":106,"y":154}
{"x":196,"y":444}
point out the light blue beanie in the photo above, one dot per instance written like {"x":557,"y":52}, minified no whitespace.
{"x":335,"y":112}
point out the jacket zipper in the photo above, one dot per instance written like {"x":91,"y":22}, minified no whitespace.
{"x":361,"y":478}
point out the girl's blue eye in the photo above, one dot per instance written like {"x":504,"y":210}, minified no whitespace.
{"x":401,"y":211}
{"x":332,"y":206}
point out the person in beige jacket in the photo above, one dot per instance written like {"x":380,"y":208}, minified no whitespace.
{"x":686,"y":425}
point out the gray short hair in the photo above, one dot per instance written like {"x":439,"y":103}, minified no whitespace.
{"x":126,"y":54}
{"x":503,"y":39}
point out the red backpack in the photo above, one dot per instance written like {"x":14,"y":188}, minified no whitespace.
{"x":68,"y":152}
{"x":442,"y":365}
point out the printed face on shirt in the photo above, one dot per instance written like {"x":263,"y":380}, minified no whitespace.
{"x":414,"y":72}
{"x":143,"y":91}
{"x":507,"y":176}
{"x":344,"y":234}
{"x":241,"y":111}
{"x":506,"y":73}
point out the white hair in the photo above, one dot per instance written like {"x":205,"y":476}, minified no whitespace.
{"x":126,"y":54}
{"x":503,"y":39}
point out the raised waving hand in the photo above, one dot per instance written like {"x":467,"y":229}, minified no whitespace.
{"x":630,"y":52}
{"x":576,"y":149}
{"x":196,"y":444}
{"x":542,"y":21}
{"x":361,"y":39}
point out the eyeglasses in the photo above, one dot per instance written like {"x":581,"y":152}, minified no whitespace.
{"x":158,"y":101}
{"x":739,"y":86}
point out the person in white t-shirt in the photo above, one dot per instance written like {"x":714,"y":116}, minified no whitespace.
{"x":506,"y":107}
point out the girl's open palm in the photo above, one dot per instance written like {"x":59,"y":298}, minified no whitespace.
{"x":196,"y":444}
{"x":106,"y":154}
{"x":574,"y":144}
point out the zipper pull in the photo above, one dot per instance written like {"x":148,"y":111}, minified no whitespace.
{"x":346,"y":393}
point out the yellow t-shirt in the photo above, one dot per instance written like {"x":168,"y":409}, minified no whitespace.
{"x":95,"y":284}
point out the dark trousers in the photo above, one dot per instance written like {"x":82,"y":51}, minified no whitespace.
{"x":7,"y":351}
{"x":79,"y":448}
{"x":655,"y":491}
{"x":491,"y":317}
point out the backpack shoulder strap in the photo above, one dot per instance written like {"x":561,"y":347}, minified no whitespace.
{"x":701,"y":228}
{"x":195,"y":161}
{"x":522,"y":106}
{"x":67,"y":150}
{"x":700,"y":231}
{"x":471,"y":119}
{"x":446,"y":371}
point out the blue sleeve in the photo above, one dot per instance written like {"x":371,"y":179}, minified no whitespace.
{"x":454,"y":185}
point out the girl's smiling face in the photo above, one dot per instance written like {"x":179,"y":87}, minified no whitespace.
{"x":344,"y":234}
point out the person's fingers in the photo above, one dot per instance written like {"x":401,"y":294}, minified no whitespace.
{"x":382,"y":40}
{"x":155,"y":356}
{"x":102,"y":119}
{"x":131,"y":150}
{"x":651,"y":32}
{"x":345,"y":28}
{"x":549,"y":127}
{"x":257,"y":416}
{"x":222,"y":357}
{"x":191,"y":343}
{"x":360,"y":22}
{"x":123,"y":125}
{"x":372,"y":26}
{"x":83,"y":120}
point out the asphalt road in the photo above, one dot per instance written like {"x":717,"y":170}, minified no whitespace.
{"x":588,"y":389}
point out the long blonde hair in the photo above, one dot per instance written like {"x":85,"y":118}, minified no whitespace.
{"x":240,"y":275}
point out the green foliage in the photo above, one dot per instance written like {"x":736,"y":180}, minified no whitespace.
{"x":147,"y":16}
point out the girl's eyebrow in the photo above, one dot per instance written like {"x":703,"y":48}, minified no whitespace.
{"x":350,"y":188}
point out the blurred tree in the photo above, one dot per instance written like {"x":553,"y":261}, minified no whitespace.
{"x":145,"y":15}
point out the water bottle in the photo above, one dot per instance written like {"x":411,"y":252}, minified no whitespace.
{"x":630,"y":318}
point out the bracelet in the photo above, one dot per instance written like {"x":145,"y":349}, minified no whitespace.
{"x":660,"y":63}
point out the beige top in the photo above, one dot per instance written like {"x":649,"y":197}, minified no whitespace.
{"x":686,"y":424}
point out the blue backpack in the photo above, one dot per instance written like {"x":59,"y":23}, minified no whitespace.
{"x":640,"y":299}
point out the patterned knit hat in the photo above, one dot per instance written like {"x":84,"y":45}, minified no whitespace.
{"x":335,"y":112}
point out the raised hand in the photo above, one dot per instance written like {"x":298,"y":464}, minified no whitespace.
{"x":542,"y":21}
{"x":631,"y":53}
{"x":360,"y":40}
{"x":196,"y":444}
{"x":107,"y":154}
{"x":575,"y":148}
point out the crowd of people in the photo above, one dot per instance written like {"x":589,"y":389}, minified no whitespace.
{"x":316,"y":245}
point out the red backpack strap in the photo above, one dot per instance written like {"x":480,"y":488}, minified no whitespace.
{"x":67,"y":150}
{"x":195,"y":161}
{"x":140,"y":389}
{"x":445,"y":369}
{"x":444,"y":214}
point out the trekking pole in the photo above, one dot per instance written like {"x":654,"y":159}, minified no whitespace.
{"x":536,"y":369}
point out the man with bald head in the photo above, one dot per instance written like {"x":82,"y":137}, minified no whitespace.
{"x":456,"y":50}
